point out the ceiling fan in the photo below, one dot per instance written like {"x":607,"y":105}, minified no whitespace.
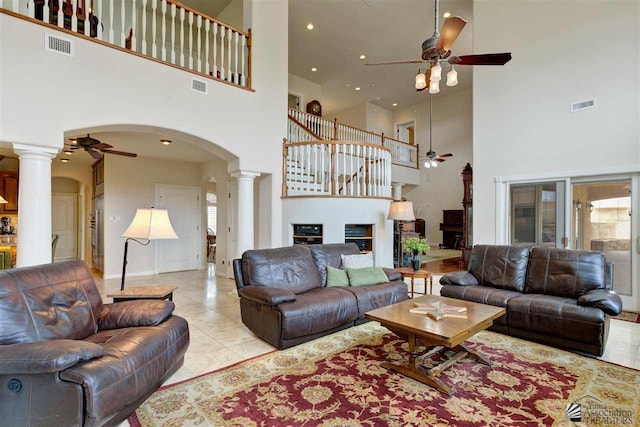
{"x":431,"y":158}
{"x":95,"y":148}
{"x":437,"y":48}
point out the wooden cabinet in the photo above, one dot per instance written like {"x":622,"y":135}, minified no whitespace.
{"x":361,"y":235}
{"x":307,"y":234}
{"x":9,"y":190}
{"x":98,"y":178}
{"x":451,"y":227}
{"x":467,"y":216}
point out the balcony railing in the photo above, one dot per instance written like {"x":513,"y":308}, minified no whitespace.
{"x":162,"y":30}
{"x":307,"y":127}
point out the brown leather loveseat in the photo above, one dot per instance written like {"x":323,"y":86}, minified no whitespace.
{"x":285,"y":301}
{"x":67,"y":359}
{"x":559,"y":297}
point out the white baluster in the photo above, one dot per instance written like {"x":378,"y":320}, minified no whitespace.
{"x":74,"y":17}
{"x":16,"y":6}
{"x":207,"y":26}
{"x":122,"y":17}
{"x":182,"y":37}
{"x":163,"y":50}
{"x":199,"y":25}
{"x":223,"y":70}
{"x":112,"y":34}
{"x":45,"y":12}
{"x":243,"y":71}
{"x":351,"y":170}
{"x":60,"y":14}
{"x":214,"y":60}
{"x":31,"y":9}
{"x":87,"y":25}
{"x":98,"y":14}
{"x":190,"y":40}
{"x":173,"y":33}
{"x":133,"y":27}
{"x":144,"y":26}
{"x":154,"y":45}
{"x":229,"y":76}
{"x":235,"y":50}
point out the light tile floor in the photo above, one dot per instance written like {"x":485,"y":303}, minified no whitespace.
{"x":218,"y":337}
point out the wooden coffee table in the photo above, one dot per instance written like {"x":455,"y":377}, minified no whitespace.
{"x":449,"y":332}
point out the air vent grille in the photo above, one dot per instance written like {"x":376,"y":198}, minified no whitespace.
{"x":583,"y":105}
{"x":198,"y":86}
{"x":58,"y":44}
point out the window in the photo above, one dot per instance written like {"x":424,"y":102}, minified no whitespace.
{"x":212,"y":212}
{"x":536,"y":212}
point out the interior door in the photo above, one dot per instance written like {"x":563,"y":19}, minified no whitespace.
{"x":64,"y":208}
{"x":183,"y":204}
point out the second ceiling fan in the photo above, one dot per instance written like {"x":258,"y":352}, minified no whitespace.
{"x":95,"y":148}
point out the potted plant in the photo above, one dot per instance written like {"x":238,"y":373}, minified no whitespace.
{"x":415,"y":245}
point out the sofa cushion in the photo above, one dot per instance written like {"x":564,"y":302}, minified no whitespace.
{"x":45,"y":302}
{"x":317,"y":310}
{"x":502,"y":267}
{"x":380,"y":295}
{"x":482,"y":295}
{"x":357,"y":261}
{"x":564,"y":272}
{"x":329,"y":255}
{"x":366,"y":276}
{"x":291,"y":268}
{"x":336,"y":277}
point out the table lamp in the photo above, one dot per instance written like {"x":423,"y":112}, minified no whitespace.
{"x":400,"y":210}
{"x":148,"y":224}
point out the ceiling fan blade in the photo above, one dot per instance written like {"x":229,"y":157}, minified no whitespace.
{"x":102,"y":146}
{"x":484,"y":59}
{"x":450,"y":31}
{"x":406,"y":61}
{"x":95,"y":154}
{"x":445,"y":155}
{"x":437,"y":159}
{"x":120,"y":153}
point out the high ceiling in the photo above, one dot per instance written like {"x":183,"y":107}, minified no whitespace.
{"x":383,"y":30}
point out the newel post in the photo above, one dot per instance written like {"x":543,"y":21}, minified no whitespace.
{"x":335,"y":129}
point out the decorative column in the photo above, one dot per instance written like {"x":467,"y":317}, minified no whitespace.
{"x":34,"y":204}
{"x":397,"y":190}
{"x":245,"y":223}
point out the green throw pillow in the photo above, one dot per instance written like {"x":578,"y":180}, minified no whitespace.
{"x":366,"y":276}
{"x":336,"y":277}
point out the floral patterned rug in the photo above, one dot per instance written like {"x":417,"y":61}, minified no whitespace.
{"x":629,"y":316}
{"x":338,"y":381}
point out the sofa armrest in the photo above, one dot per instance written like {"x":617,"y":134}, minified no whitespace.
{"x":128,"y":314}
{"x":45,"y":356}
{"x":604,"y":299}
{"x":392,"y":274}
{"x":460,"y":278}
{"x":267,"y":295}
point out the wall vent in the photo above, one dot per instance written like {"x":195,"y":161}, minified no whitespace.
{"x":583,"y":105}
{"x":198,"y":86}
{"x":58,"y":44}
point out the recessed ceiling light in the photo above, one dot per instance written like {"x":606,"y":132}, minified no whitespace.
{"x":64,"y":160}
{"x":347,"y":85}
{"x":358,"y":88}
{"x":166,"y":141}
{"x":310,"y":26}
{"x":363,"y":56}
{"x":394,"y":104}
{"x":372,"y":85}
{"x":68,"y":152}
{"x":447,"y":14}
{"x":378,"y":98}
{"x":314,"y":69}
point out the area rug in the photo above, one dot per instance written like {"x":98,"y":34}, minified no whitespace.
{"x":438,"y":254}
{"x":338,"y":381}
{"x":629,"y":316}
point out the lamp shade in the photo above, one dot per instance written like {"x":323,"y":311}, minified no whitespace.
{"x":2,"y":200}
{"x":150,"y":224}
{"x":401,"y":211}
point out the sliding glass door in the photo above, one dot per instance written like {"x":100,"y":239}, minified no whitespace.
{"x":537,"y":214}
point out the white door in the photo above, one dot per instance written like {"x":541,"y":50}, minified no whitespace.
{"x":183,"y":204}
{"x":64,"y":223}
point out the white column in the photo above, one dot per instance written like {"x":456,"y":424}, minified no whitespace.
{"x":397,"y":190}
{"x":34,"y":204}
{"x":245,"y":223}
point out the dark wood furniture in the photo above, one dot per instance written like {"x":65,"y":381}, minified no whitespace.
{"x":9,"y":190}
{"x":361,"y":235}
{"x":408,"y":272}
{"x":449,"y":332}
{"x":143,"y":292}
{"x":467,"y":216}
{"x":451,"y":227}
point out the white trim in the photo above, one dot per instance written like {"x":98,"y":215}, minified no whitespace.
{"x":580,"y":173}
{"x":300,"y":96}
{"x":119,"y":275}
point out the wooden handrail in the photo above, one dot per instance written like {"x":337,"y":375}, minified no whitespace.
{"x":353,"y":175}
{"x":305,"y":128}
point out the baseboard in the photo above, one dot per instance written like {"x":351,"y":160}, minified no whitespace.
{"x":119,"y":276}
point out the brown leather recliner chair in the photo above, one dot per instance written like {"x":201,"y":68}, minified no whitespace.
{"x":67,"y":359}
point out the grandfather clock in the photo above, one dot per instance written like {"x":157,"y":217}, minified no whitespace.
{"x":467,"y":216}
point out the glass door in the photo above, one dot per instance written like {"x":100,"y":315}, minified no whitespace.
{"x":537,"y":214}
{"x":602,"y":221}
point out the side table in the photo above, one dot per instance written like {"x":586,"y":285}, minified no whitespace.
{"x":420,"y":274}
{"x":143,"y":292}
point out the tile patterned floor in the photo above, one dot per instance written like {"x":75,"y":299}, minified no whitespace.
{"x":218,"y":337}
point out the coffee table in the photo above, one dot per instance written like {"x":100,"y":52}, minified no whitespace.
{"x":421,"y":329}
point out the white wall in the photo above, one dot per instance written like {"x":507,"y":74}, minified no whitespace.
{"x":334,"y":213}
{"x":216,"y":169}
{"x":355,"y":116}
{"x":563,"y":52}
{"x":305,"y":88}
{"x":440,"y":188}
{"x":232,"y":14}
{"x":379,"y":120}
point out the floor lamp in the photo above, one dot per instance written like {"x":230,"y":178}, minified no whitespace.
{"x":400,"y":210}
{"x":148,"y":224}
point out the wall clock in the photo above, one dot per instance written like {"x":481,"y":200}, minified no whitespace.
{"x":314,"y":108}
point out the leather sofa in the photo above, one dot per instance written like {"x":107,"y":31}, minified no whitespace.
{"x":285,"y":301}
{"x":68,"y":359}
{"x":559,"y":297}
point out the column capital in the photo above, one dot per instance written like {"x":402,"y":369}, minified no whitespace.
{"x":239,"y":174}
{"x":35,"y":151}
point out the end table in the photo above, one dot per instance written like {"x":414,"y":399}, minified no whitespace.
{"x":143,"y":292}
{"x":420,"y":274}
